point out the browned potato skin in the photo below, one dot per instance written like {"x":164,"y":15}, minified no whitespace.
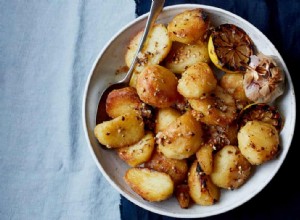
{"x":157,"y":86}
{"x":138,"y":153}
{"x":121,"y":131}
{"x":177,"y":169}
{"x":151,"y":185}
{"x":233,"y":84}
{"x":218,"y":108}
{"x":258,"y":142}
{"x":164,"y":117}
{"x":197,"y":81}
{"x":182,"y":56}
{"x":202,"y":190}
{"x":205,"y":158}
{"x":189,"y":26}
{"x":182,"y":195}
{"x":231,"y":169}
{"x":182,"y":138}
{"x":121,"y":101}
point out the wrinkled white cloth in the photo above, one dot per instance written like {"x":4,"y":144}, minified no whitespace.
{"x":47,"y":49}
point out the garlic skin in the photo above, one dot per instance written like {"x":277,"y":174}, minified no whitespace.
{"x":263,"y":81}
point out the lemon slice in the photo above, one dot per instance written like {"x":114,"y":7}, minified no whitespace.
{"x":230,"y":48}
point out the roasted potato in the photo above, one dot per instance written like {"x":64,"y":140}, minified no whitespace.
{"x":151,"y":185}
{"x":182,"y":56}
{"x":157,"y":86}
{"x":121,"y":131}
{"x":121,"y":101}
{"x":164,"y":117}
{"x":233,"y":84}
{"x":218,"y":108}
{"x":177,"y":169}
{"x":183,"y":196}
{"x":189,"y":26}
{"x":205,"y":158}
{"x":138,"y":153}
{"x":197,"y":81}
{"x":230,"y":169}
{"x":181,"y":139}
{"x":202,"y":190}
{"x":155,"y":49}
{"x":258,"y":141}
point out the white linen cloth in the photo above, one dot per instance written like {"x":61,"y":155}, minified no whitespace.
{"x":47,"y":49}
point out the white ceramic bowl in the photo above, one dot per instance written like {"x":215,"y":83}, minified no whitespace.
{"x":103,"y":71}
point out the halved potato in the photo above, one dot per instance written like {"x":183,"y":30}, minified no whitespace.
{"x":258,"y":142}
{"x":157,"y":86}
{"x":202,"y":190}
{"x":182,"y":195}
{"x":196,"y":81}
{"x":182,"y":56}
{"x":205,"y":158}
{"x":155,"y":49}
{"x":182,"y":138}
{"x":177,"y":169}
{"x":121,"y":101}
{"x":164,"y":117}
{"x":138,"y":153}
{"x":121,"y":131}
{"x":151,"y":185}
{"x":231,"y":169}
{"x":189,"y":26}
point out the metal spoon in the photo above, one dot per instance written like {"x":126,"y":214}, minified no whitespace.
{"x":156,"y":7}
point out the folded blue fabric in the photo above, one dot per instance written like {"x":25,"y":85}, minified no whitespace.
{"x":279,"y":21}
{"x":47,"y":49}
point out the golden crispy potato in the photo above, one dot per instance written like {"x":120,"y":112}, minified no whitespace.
{"x":202,"y":190}
{"x":233,"y":84}
{"x":197,"y":81}
{"x":258,"y":141}
{"x":138,"y":153}
{"x":177,"y":169}
{"x":181,"y":139}
{"x":231,"y":168}
{"x":121,"y":101}
{"x":164,"y":117}
{"x":157,"y":86}
{"x":182,"y":195}
{"x":155,"y":49}
{"x":218,"y":108}
{"x":121,"y":131}
{"x":182,"y":56}
{"x":151,"y":185}
{"x":133,"y":79}
{"x":189,"y":26}
{"x":205,"y":158}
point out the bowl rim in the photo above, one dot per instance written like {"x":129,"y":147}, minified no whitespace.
{"x":185,"y":215}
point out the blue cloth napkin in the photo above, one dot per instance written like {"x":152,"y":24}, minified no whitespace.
{"x":279,"y":20}
{"x":47,"y":49}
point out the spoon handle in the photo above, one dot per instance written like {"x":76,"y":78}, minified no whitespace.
{"x":156,"y":7}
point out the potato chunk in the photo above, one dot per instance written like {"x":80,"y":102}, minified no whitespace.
{"x":157,"y":86}
{"x":138,"y":153}
{"x":183,"y":196}
{"x":182,"y":138}
{"x":182,"y":56}
{"x":121,"y":131}
{"x":151,"y":185}
{"x":189,"y":26}
{"x":205,"y":158}
{"x":202,"y":190}
{"x":121,"y":101}
{"x":155,"y":49}
{"x":197,"y":81}
{"x":177,"y":169}
{"x":231,"y":169}
{"x":258,"y":141}
{"x":164,"y":117}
